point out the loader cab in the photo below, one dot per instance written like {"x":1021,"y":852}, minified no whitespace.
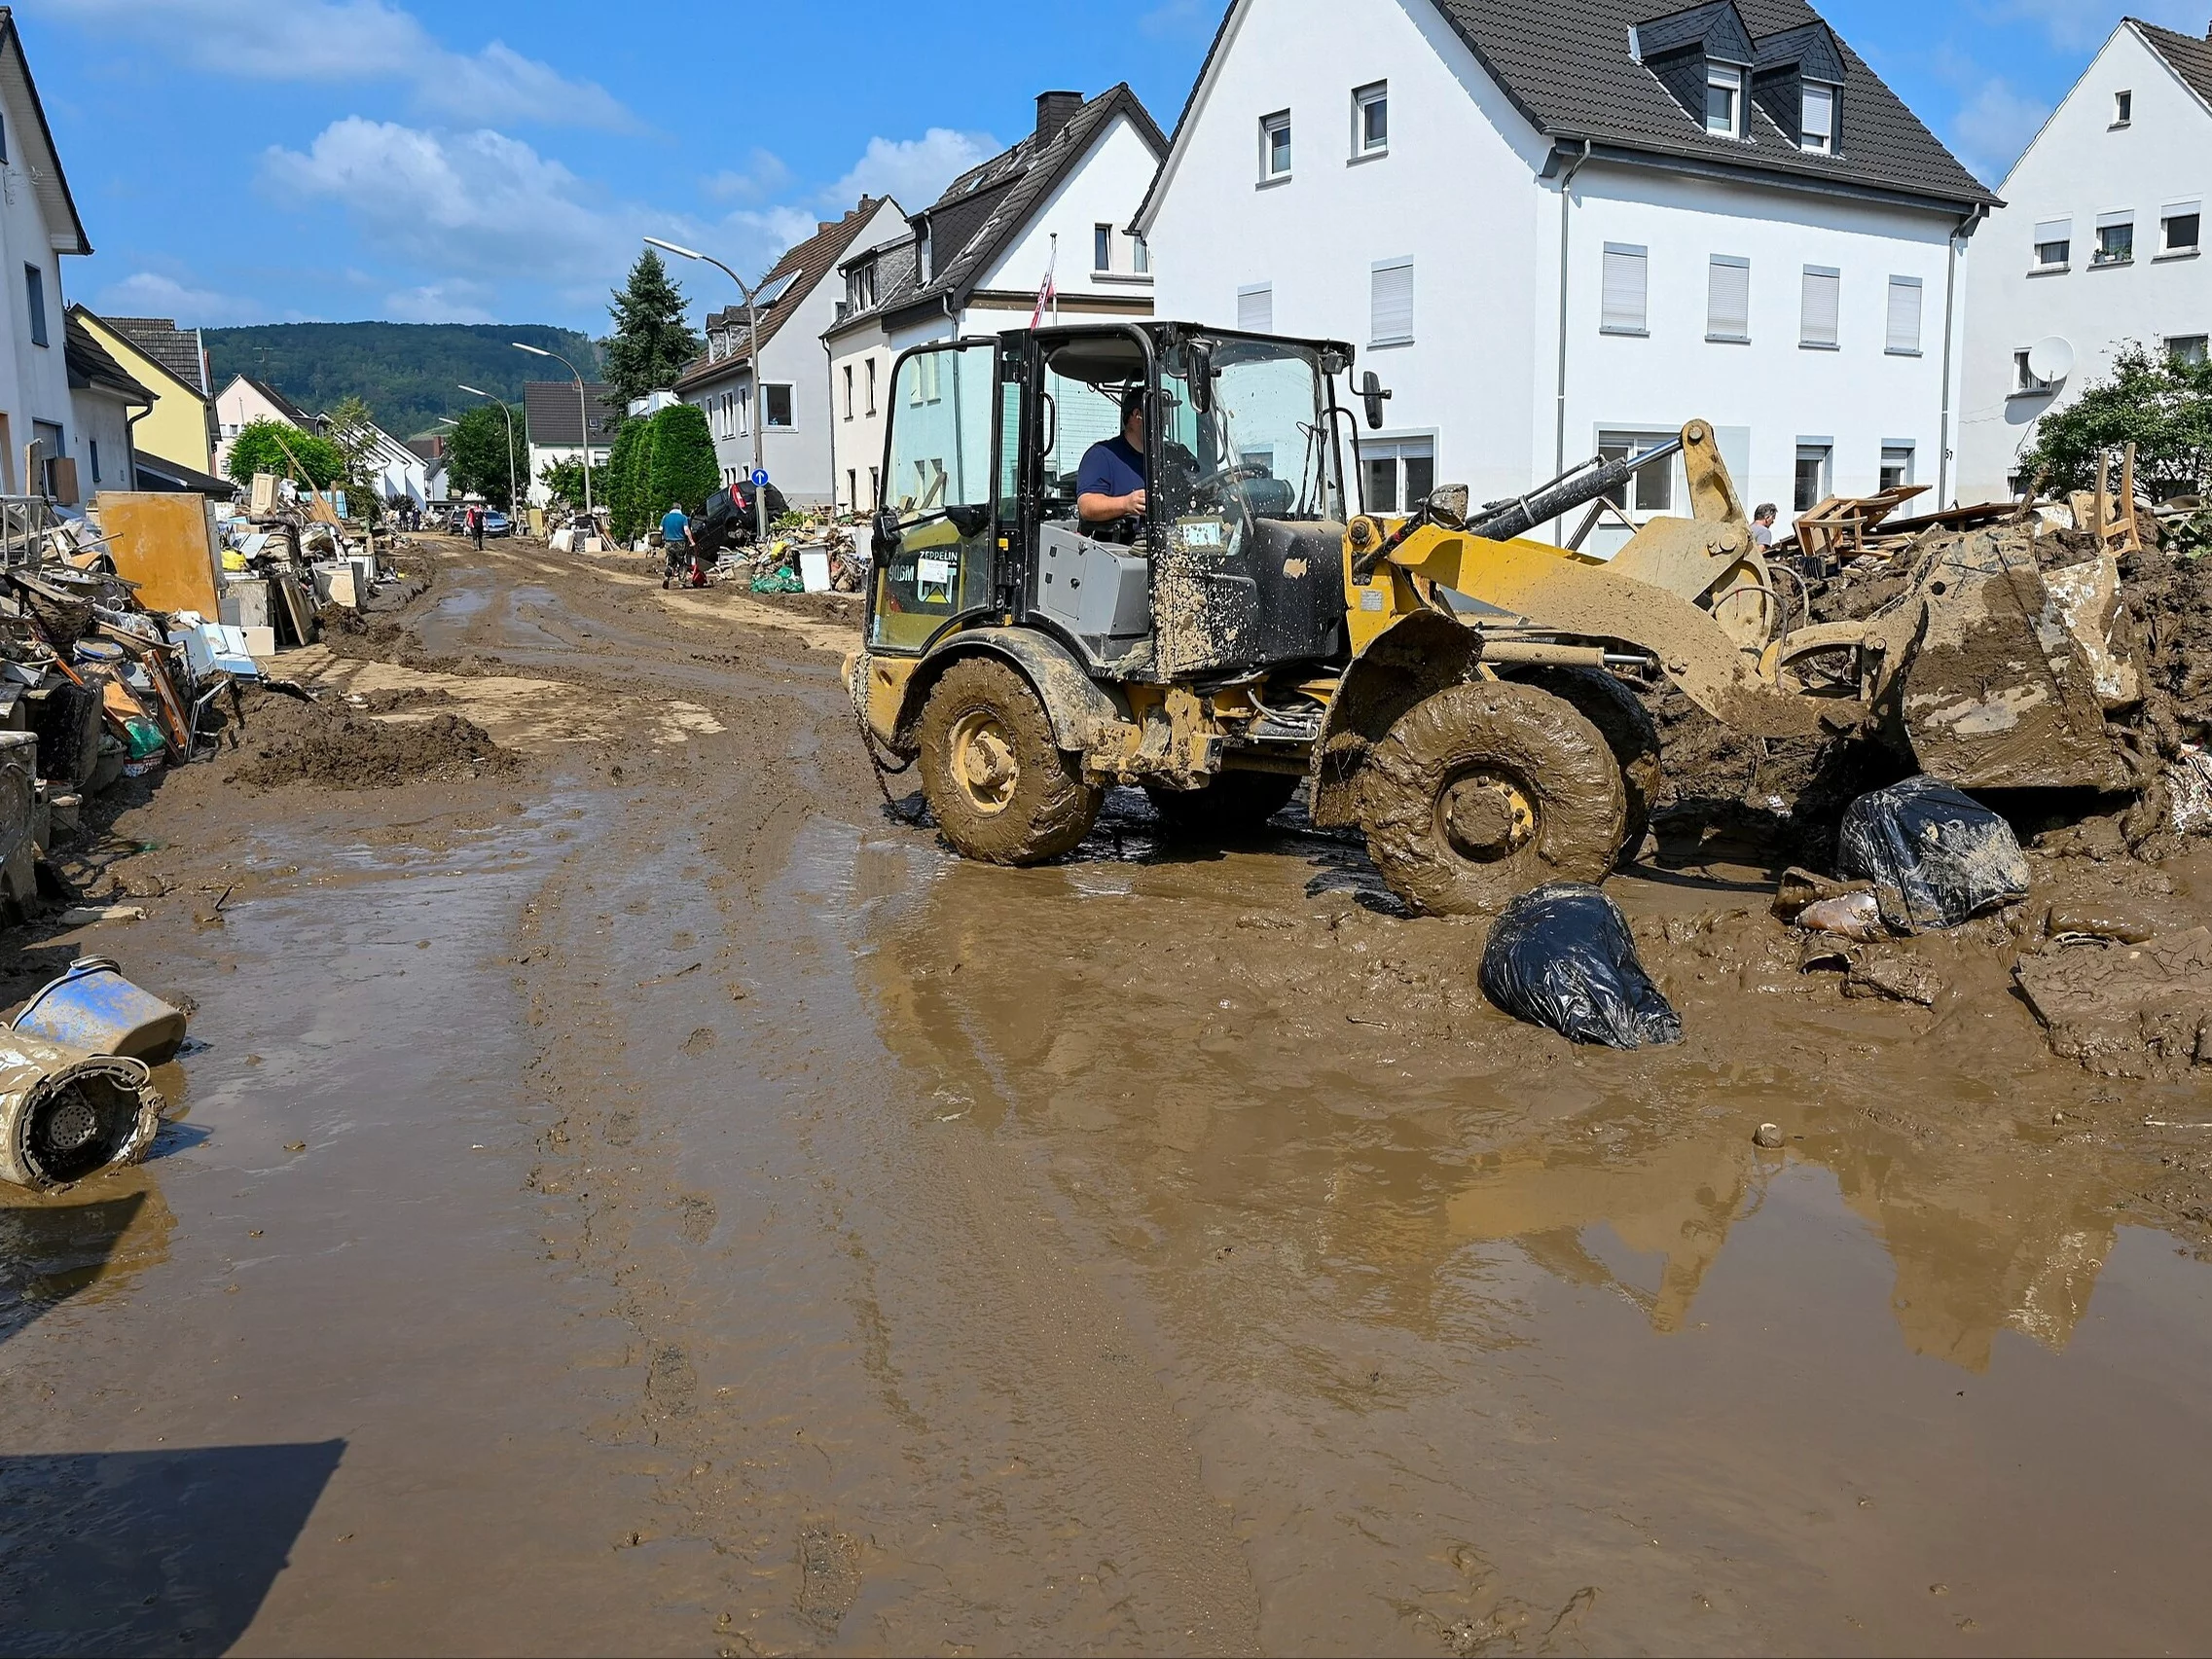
{"x":1236,"y":561}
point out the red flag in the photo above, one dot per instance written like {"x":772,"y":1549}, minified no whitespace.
{"x":1046,"y":292}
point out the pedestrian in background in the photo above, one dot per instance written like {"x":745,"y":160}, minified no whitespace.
{"x":476,"y":526}
{"x":1763,"y":524}
{"x":677,"y":546}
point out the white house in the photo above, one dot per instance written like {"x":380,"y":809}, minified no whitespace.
{"x":402,"y":476}
{"x":105,"y":401}
{"x":555,"y":416}
{"x":2098,"y":244}
{"x":246,"y":400}
{"x":38,"y":224}
{"x":974,"y":260}
{"x":798,"y":434}
{"x":1565,"y":227}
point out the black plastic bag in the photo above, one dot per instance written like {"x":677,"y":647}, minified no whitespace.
{"x":1563,"y":957}
{"x":1937,"y":856}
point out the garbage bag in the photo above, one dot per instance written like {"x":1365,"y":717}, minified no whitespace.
{"x":1935,"y":857}
{"x":1562,"y":957}
{"x":779,"y":579}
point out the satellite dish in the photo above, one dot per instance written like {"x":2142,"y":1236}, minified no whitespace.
{"x":2050,"y":358}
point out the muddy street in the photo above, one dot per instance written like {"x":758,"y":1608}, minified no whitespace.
{"x":635,"y":1192}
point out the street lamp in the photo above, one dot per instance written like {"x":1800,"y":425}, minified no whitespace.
{"x":583,"y":419}
{"x":752,"y":353}
{"x":513,"y":504}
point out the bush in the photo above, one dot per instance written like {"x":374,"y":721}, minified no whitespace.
{"x":262,"y":446}
{"x":564,"y":480}
{"x":626,"y":479}
{"x":680,"y":464}
{"x":2161,"y":406}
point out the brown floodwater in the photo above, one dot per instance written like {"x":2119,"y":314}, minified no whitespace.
{"x":659,"y":1202}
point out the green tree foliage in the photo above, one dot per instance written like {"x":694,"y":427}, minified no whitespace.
{"x":626,"y":479}
{"x":681,"y":467}
{"x":565,"y":482}
{"x":352,"y":431}
{"x":261,"y":445}
{"x":652,"y":340}
{"x":405,"y":372}
{"x":2161,"y":406}
{"x":477,"y":456}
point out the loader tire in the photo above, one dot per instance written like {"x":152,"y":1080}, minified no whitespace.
{"x":1627,"y":727}
{"x":1486,"y":790}
{"x":1235,"y":805}
{"x":1003,"y":789}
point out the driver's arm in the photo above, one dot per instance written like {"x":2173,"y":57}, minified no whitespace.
{"x":1097,"y":509}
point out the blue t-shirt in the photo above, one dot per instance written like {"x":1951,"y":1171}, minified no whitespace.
{"x":673,"y":525}
{"x":1112,"y":467}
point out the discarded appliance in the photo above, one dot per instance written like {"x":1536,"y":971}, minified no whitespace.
{"x":94,"y":1008}
{"x":65,"y":1114}
{"x":1561,"y":955}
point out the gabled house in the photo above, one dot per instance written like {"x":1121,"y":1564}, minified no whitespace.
{"x":2100,"y":243}
{"x":38,"y":225}
{"x":105,"y":400}
{"x":555,"y":421}
{"x":1565,"y":226}
{"x":246,"y":400}
{"x":975,"y":259}
{"x":172,"y":364}
{"x":792,"y":404}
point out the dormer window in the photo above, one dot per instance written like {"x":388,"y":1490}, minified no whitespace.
{"x":1816,"y":125}
{"x":1723,"y":100}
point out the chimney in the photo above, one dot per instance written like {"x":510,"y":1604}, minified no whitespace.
{"x":1055,"y":110}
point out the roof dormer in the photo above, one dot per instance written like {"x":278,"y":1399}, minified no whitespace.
{"x":1704,"y":58}
{"x":1798,"y":81}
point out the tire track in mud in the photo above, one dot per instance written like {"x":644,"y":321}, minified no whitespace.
{"x":856,"y":1332}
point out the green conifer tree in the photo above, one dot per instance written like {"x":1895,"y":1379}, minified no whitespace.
{"x":652,"y":340}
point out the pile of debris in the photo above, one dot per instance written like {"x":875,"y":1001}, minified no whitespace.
{"x":77,"y":1091}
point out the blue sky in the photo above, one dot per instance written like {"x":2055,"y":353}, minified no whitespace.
{"x":267,"y":160}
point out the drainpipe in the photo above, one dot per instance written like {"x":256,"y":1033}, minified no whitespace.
{"x":829,"y":372}
{"x":1963,"y":227}
{"x":1559,"y":435}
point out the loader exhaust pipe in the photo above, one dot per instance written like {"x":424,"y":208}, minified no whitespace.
{"x":1578,"y":487}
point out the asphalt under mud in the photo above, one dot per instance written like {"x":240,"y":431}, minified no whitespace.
{"x":631,"y":1192}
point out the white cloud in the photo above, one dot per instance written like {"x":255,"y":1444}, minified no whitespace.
{"x":1993,"y":126}
{"x":150,"y":293}
{"x":352,"y":40}
{"x":915,"y":170}
{"x":1174,"y":18}
{"x":761,"y":177}
{"x":2077,"y":26}
{"x":455,"y":302}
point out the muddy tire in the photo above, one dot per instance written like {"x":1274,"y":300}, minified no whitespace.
{"x":1235,"y":805}
{"x":1627,"y":727}
{"x":1002,"y":790}
{"x":1485,"y":790}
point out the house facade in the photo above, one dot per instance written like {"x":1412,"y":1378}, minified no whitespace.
{"x":172,"y":364}
{"x":792,"y":403}
{"x":1561,"y":230}
{"x":105,"y":400}
{"x":2099,"y":245}
{"x":555,"y":422}
{"x":38,"y":225}
{"x":244,"y":401}
{"x":974,"y":260}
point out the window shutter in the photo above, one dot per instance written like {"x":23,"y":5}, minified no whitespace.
{"x":1392,"y":302}
{"x":2055,"y":230}
{"x":1625,"y":284}
{"x":1822,"y":301}
{"x":1727,"y":298}
{"x":1256,"y":309}
{"x":1905,"y":315}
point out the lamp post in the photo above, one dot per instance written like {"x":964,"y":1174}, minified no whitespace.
{"x":752,"y":353}
{"x":512,"y":505}
{"x":583,"y":418}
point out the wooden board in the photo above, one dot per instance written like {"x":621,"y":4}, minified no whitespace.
{"x":167,"y":543}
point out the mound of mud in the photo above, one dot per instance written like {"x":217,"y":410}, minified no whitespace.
{"x":285,"y":741}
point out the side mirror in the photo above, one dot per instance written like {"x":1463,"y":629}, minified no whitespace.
{"x":969,"y":517}
{"x":885,"y":540}
{"x":1201,"y":377}
{"x":1372,"y":394}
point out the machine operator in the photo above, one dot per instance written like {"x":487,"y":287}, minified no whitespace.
{"x":1110,"y":483}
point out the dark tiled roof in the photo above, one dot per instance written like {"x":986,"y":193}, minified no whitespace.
{"x":805,"y":266}
{"x":985,"y":209}
{"x":172,"y":347}
{"x":549,"y":413}
{"x":154,"y":473}
{"x":89,"y":364}
{"x":2190,"y":57}
{"x":1565,"y":65}
{"x":284,"y":405}
{"x":898,"y":273}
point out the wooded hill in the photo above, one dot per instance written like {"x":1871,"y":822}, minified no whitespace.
{"x":409,"y":374}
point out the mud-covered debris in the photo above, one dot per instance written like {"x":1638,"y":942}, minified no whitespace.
{"x":1768,"y":1136}
{"x":287,"y":741}
{"x":1937,"y":856}
{"x":1562,"y":957}
{"x":2126,"y":1010}
{"x":2096,"y":922}
{"x":2189,"y":792}
{"x":1851,"y":915}
{"x":1893,"y":975}
{"x":1800,"y":888}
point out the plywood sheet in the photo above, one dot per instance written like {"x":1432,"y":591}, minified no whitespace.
{"x":166,"y":544}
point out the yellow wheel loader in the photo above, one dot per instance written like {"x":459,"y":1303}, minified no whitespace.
{"x":1452,"y":690}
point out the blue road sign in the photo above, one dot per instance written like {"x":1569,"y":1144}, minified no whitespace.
{"x":759,"y":477}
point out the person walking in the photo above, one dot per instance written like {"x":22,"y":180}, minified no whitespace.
{"x":677,"y":546}
{"x":476,"y":525}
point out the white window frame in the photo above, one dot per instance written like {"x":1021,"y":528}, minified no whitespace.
{"x":1375,"y":272}
{"x":2123,"y":107}
{"x":2024,"y":380}
{"x":871,"y":362}
{"x":1650,"y":491}
{"x":848,"y":391}
{"x":1806,"y":138}
{"x":2176,"y":344}
{"x":2062,"y":241}
{"x":1899,"y":447}
{"x":1623,"y":251}
{"x":1102,"y":247}
{"x":1375,"y":94}
{"x":1825,"y":449}
{"x":1253,"y":291}
{"x":1918,"y":290}
{"x":1397,"y":451}
{"x":1805,"y":339}
{"x":1729,"y":78}
{"x":1269,"y":127}
{"x":2170,"y":212}
{"x":2118,"y":219}
{"x":1713,"y":280}
{"x":793,"y":392}
{"x":1139,"y":255}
